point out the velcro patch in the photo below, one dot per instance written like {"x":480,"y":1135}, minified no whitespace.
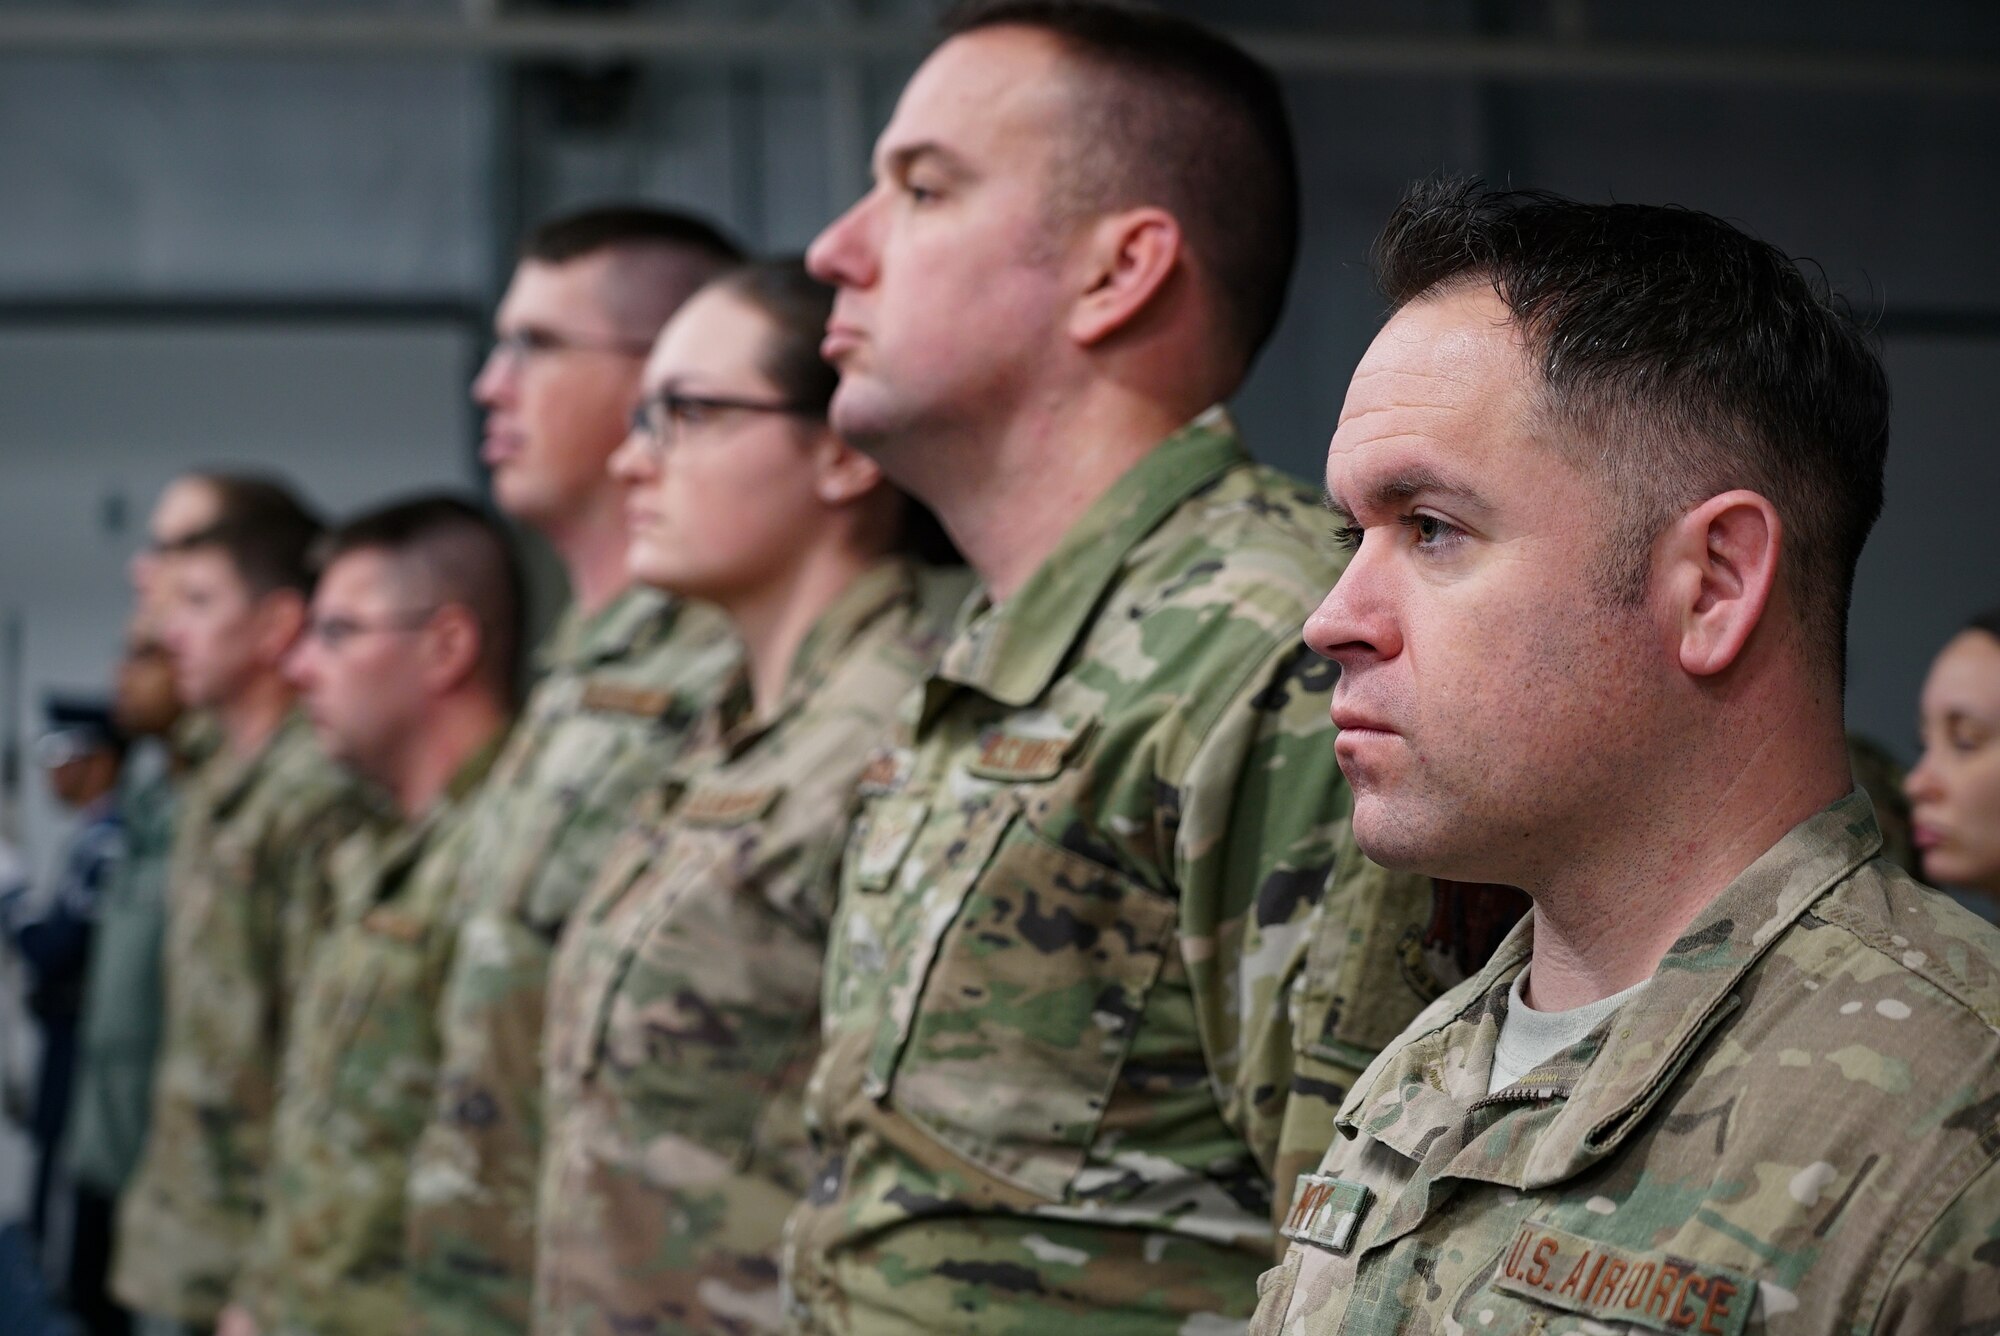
{"x":1564,"y":1270}
{"x":885,"y":773}
{"x":625,"y":698}
{"x":1005,"y":754}
{"x":727,"y":807}
{"x":1326,"y":1212}
{"x":385,"y":921}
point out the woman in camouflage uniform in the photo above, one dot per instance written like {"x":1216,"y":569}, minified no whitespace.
{"x":684,"y":1003}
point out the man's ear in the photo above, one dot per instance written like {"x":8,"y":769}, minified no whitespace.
{"x":451,"y":646}
{"x":1719,"y":563}
{"x":1128,"y":257}
{"x":841,"y":473}
{"x":280,"y":621}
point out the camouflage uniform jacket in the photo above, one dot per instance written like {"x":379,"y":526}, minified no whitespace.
{"x":609,"y":716}
{"x":247,"y":895}
{"x":1793,"y":1128}
{"x":359,"y":1078}
{"x":684,"y":1002}
{"x":1058,"y":1042}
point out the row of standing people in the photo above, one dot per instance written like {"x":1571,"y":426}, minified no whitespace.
{"x":482,"y":1046}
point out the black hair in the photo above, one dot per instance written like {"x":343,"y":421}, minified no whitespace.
{"x":1679,"y":356}
{"x":1987,"y":621}
{"x":460,"y":553}
{"x":1184,"y":119}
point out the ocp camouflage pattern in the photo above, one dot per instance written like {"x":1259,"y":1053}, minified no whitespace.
{"x":1793,"y":1128}
{"x":609,"y":717}
{"x":247,"y":896}
{"x":684,"y":1001}
{"x":1060,"y":999}
{"x":360,"y":1078}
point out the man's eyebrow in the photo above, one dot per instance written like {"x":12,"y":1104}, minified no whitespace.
{"x":1335,"y":508}
{"x":898,"y":161}
{"x":1407,"y":484}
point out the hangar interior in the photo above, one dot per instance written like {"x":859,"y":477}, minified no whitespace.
{"x":271,"y":232}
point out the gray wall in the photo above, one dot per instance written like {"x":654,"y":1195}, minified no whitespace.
{"x":181,"y":179}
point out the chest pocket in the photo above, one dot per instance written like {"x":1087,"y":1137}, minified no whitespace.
{"x":579,"y":770}
{"x":1032,"y":992}
{"x":373,"y":1025}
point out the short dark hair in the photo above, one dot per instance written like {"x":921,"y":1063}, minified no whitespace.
{"x":460,"y":555}
{"x":658,"y":257}
{"x":1987,"y":621}
{"x":264,"y":530}
{"x":1679,"y":356}
{"x":571,"y":236}
{"x":1182,"y":118}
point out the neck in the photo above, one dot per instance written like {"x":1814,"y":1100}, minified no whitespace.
{"x":251,"y":716}
{"x":773,"y":622}
{"x":453,"y":731}
{"x":1605,"y":923}
{"x":591,"y":547}
{"x":1008,"y":495}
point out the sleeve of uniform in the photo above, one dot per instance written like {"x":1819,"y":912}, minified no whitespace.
{"x":1262,"y":811}
{"x":1949,"y":1280}
{"x":1272,"y":883}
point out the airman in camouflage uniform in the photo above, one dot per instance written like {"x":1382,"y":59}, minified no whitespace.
{"x":1791,"y":1129}
{"x":246,"y":897}
{"x":359,"y":1079}
{"x":1737,"y":1072}
{"x":1057,"y":1036}
{"x":684,"y":1001}
{"x":626,"y":670}
{"x":608,"y":718}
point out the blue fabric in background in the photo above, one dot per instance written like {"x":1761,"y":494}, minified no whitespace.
{"x":25,"y":1306}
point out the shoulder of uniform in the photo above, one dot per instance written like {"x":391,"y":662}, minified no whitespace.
{"x":1923,"y":932}
{"x":1252,"y":526}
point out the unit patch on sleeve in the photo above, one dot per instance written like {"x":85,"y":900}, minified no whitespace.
{"x":1564,"y":1270}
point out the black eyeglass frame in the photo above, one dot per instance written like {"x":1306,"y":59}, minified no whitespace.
{"x":674,"y":411}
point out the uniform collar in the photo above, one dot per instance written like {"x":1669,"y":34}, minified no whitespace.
{"x":404,"y":843}
{"x":884,"y":585}
{"x":582,"y":641}
{"x":1592,"y":1096}
{"x":233,"y":777}
{"x":1012,"y":651}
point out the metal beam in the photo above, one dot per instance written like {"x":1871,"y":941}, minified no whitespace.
{"x":510,"y":35}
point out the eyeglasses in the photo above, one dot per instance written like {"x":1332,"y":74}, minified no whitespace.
{"x":330,"y":633}
{"x":661,"y":419}
{"x":524,"y":345}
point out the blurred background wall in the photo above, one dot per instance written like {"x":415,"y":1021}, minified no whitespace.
{"x":270,"y":231}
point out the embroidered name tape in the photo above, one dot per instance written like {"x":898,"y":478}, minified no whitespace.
{"x":1326,"y":1212}
{"x":1564,"y":1270}
{"x":727,"y":807}
{"x":624,"y":698}
{"x":884,"y":774}
{"x":1011,"y":754}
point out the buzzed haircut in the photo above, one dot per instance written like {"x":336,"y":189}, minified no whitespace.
{"x":447,"y":550}
{"x":1176,"y":116}
{"x":660,"y":257}
{"x":1679,"y":357}
{"x":264,"y":530}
